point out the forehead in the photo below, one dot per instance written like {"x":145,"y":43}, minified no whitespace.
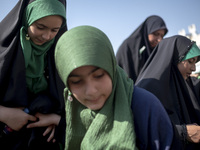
{"x":161,"y":31}
{"x":84,"y":70}
{"x":51,"y":21}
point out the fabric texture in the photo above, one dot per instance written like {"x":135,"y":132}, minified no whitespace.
{"x":160,"y":76}
{"x":135,"y":50}
{"x":112,"y":126}
{"x":13,"y":86}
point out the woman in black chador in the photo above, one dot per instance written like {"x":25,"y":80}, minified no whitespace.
{"x":135,"y":50}
{"x":167,"y":75}
{"x":31,"y":90}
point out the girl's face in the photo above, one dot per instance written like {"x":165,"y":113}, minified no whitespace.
{"x":156,"y":37}
{"x":91,"y":86}
{"x":186,"y":67}
{"x":44,"y":29}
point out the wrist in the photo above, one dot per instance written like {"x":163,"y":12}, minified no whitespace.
{"x":3,"y":115}
{"x":56,"y":119}
{"x":184,"y":133}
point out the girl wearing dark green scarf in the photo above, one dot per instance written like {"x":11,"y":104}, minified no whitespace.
{"x":98,"y":96}
{"x":37,"y":36}
{"x":28,"y":77}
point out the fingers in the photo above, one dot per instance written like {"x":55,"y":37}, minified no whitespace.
{"x":51,"y":135}
{"x":48,"y":130}
{"x":32,"y":118}
{"x":33,"y":125}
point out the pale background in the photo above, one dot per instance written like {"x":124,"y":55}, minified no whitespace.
{"x":119,"y":18}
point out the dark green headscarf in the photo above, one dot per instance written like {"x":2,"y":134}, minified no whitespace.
{"x":112,"y":126}
{"x":34,"y":55}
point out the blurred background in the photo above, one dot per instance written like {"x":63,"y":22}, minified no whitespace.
{"x":119,"y":18}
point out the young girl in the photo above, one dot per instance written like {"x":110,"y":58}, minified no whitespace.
{"x":28,"y":79}
{"x":104,"y":110}
{"x":167,"y":75}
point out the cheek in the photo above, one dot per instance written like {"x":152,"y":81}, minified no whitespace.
{"x":32,"y":32}
{"x":107,"y":86}
{"x":183,"y":69}
{"x":180,"y":67}
{"x":150,"y":37}
{"x":76,"y":91}
{"x":54,"y":34}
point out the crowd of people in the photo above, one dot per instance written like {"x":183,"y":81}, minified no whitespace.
{"x":66,"y":89}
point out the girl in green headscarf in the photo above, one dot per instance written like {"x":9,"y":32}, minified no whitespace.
{"x":37,"y":37}
{"x":28,"y":78}
{"x":98,"y":96}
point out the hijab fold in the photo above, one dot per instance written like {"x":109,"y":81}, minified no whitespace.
{"x":112,"y":126}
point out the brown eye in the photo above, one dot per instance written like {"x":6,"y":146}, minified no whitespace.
{"x":99,"y":75}
{"x":40,"y":28}
{"x":189,"y":61}
{"x":55,"y":30}
{"x":74,"y":81}
{"x":156,"y":34}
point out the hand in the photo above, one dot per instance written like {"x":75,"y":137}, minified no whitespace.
{"x":195,"y":75}
{"x":52,"y":130}
{"x":15,"y":118}
{"x":193,"y":133}
{"x":46,"y":120}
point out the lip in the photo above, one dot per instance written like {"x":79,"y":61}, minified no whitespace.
{"x":94,"y":100}
{"x":154,"y":44}
{"x":188,"y":74}
{"x":40,"y":41}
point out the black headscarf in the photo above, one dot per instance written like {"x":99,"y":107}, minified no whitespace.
{"x":161,"y":76}
{"x":13,"y":87}
{"x":128,"y":55}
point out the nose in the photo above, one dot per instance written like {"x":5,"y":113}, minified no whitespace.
{"x":46,"y":35}
{"x":193,"y":67}
{"x":159,"y":38}
{"x":90,"y":88}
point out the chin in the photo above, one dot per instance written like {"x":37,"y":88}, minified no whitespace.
{"x":96,"y":107}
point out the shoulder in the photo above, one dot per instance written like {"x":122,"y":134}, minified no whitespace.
{"x":151,"y":121}
{"x":142,"y":96}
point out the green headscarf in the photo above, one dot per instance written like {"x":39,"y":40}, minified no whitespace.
{"x":112,"y":126}
{"x":193,"y":52}
{"x":35,"y":55}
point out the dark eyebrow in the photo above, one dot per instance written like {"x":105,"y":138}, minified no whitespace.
{"x":193,"y":59}
{"x":95,"y":69}
{"x":37,"y":23}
